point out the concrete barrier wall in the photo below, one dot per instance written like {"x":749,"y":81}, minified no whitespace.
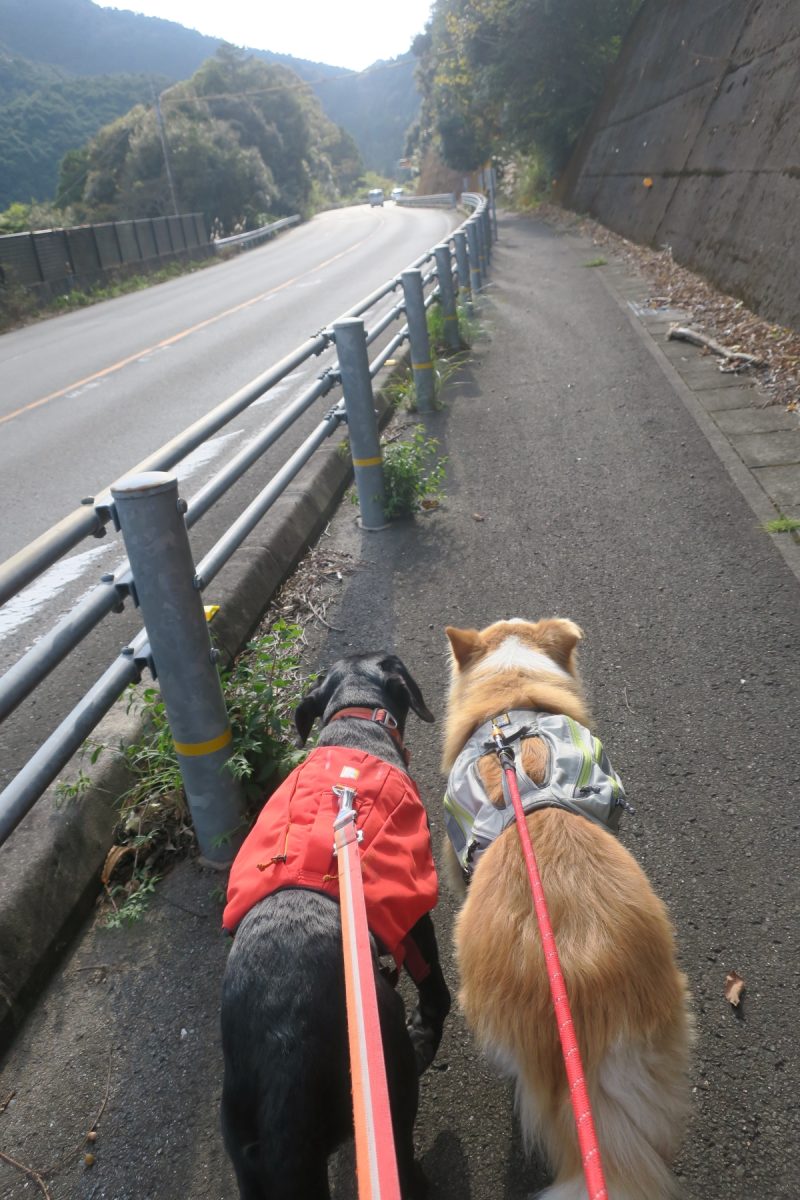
{"x":705,"y":101}
{"x":51,"y":261}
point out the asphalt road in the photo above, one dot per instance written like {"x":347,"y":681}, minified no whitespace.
{"x":86,"y":396}
{"x":578,"y":485}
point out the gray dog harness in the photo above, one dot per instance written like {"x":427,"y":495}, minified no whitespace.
{"x":578,"y":778}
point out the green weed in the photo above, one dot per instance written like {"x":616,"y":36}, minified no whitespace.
{"x":413,"y":476}
{"x":399,"y":391}
{"x":262,"y":688}
{"x":137,"y":893}
{"x":783,"y":525}
{"x":596,"y":262}
{"x":469,"y":326}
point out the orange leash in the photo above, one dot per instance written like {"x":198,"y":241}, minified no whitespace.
{"x":376,"y":1161}
{"x":578,"y":1092}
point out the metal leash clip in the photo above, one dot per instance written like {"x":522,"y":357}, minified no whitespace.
{"x":347,"y":812}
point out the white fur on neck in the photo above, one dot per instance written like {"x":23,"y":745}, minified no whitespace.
{"x":515,"y":655}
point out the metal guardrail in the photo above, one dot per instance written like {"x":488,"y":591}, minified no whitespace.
{"x":440,"y":199}
{"x":472,"y":242}
{"x":256,"y":236}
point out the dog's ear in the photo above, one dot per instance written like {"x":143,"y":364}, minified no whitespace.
{"x":559,"y":637}
{"x":466,"y":645}
{"x":310,"y":707}
{"x":398,"y":675}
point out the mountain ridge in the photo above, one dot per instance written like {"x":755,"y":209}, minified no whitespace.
{"x":47,"y":47}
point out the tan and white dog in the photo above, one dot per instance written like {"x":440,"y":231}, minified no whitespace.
{"x":614,"y":936}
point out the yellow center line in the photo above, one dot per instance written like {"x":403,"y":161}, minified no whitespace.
{"x":177,"y":337}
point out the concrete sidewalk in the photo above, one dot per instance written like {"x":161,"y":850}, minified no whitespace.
{"x":597,"y":472}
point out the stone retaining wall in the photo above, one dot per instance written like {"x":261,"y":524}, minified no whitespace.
{"x":705,"y":102}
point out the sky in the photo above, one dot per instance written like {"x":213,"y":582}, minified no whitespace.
{"x":344,"y":33}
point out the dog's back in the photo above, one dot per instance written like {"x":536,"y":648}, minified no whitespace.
{"x":286,"y":1090}
{"x":286,"y":1102}
{"x":616,"y":945}
{"x":286,"y":1093}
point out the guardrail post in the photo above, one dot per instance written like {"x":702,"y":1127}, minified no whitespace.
{"x":462,"y":262}
{"x":421,"y":358}
{"x":365,"y":448}
{"x":151,"y":519}
{"x":480,"y":229}
{"x":474,"y":258}
{"x":444,"y":272}
{"x":487,"y":233}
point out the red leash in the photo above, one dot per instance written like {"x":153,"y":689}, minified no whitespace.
{"x":376,"y":1161}
{"x":579,"y":1095}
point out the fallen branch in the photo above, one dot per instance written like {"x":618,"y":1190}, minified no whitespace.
{"x":682,"y":334}
{"x":319,"y":616}
{"x":29,"y":1171}
{"x":91,"y":1133}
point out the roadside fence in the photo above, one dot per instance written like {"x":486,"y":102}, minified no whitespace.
{"x":159,"y":576}
{"x":49,"y":261}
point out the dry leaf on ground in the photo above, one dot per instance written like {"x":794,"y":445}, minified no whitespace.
{"x":112,"y":859}
{"x":723,"y":317}
{"x":734,"y":986}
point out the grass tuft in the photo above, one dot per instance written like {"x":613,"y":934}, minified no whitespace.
{"x":261,"y":689}
{"x":783,"y":525}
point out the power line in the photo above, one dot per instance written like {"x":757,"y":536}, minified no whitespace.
{"x":287,"y":85}
{"x":162,"y":133}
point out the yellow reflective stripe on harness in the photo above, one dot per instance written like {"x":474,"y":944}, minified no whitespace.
{"x":599,"y":753}
{"x":462,"y":816}
{"x":586,"y":758}
{"x":368,"y":462}
{"x":195,"y":749}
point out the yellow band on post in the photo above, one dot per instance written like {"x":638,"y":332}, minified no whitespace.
{"x":196,"y":749}
{"x":422,"y":366}
{"x":367,"y":462}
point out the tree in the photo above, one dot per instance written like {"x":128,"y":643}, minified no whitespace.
{"x":263,"y":105}
{"x":523,"y":74}
{"x":245,"y":139}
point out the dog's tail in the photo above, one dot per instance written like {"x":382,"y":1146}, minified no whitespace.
{"x":639,"y":1104}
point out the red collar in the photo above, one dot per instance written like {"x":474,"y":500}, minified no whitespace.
{"x":381,"y":716}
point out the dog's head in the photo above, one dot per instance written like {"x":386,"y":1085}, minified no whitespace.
{"x":362,"y":680}
{"x":511,"y":664}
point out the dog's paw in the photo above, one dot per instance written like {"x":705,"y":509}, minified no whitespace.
{"x":425,"y":1039}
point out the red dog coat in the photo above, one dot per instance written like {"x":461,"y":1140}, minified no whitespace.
{"x":291,"y":843}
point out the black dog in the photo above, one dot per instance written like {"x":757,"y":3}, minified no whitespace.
{"x":286,"y":1102}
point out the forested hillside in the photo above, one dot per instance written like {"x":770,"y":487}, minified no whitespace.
{"x":504,"y":78}
{"x":68,"y":67}
{"x":246,"y":141}
{"x":39,"y":123}
{"x":84,"y":39}
{"x":377,"y":106}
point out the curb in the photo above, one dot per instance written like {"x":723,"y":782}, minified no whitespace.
{"x":762,"y":504}
{"x":50,"y":866}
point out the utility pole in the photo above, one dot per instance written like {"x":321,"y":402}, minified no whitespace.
{"x":163,"y":135}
